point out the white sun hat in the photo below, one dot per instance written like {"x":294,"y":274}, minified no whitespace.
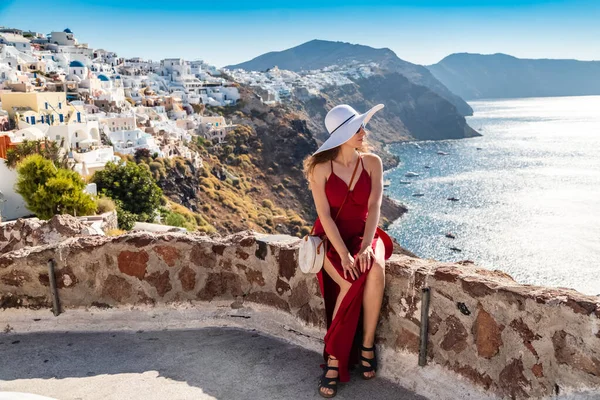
{"x":342,"y":122}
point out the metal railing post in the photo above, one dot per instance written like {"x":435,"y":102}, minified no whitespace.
{"x":425,"y":294}
{"x":53,"y":288}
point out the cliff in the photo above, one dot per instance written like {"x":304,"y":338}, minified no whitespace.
{"x":254,"y":180}
{"x":411,"y":112}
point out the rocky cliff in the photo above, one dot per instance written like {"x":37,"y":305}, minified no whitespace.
{"x":411,"y":112}
{"x":254,"y":180}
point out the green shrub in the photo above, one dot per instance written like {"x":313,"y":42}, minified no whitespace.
{"x":132,"y":184}
{"x":48,"y":190}
{"x":175,"y":219}
{"x":125,"y":219}
{"x":49,"y":149}
{"x":158,"y":170}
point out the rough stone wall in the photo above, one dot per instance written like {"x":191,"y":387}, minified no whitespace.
{"x":29,"y":232}
{"x":109,"y":221}
{"x":517,"y":341}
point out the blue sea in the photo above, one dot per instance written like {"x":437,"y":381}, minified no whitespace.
{"x":528,"y":192}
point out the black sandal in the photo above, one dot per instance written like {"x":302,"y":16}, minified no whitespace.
{"x":329,"y":383}
{"x":372,"y":362}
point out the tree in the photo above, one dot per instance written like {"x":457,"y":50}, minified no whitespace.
{"x":47,"y":148}
{"x":131,"y":184}
{"x":49,"y":190}
{"x":142,"y":154}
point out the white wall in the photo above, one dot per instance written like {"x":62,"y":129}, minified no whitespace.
{"x":14,"y":206}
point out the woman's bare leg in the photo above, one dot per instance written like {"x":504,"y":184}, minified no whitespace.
{"x":341,"y":282}
{"x":372,"y":299}
{"x":344,"y":287}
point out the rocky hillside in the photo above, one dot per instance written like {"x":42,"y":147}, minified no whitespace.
{"x":318,"y":54}
{"x":255,"y":180}
{"x":411,"y":112}
{"x":477,"y":76}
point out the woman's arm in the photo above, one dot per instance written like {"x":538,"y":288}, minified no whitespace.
{"x":376,"y":170}
{"x":317,"y":186}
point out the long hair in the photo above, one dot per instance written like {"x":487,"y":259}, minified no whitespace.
{"x":311,"y":161}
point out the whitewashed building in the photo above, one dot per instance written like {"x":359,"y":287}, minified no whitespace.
{"x":12,"y":205}
{"x":127,"y":142}
{"x":17,"y":41}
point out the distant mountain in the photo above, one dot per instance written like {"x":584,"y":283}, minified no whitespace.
{"x":318,"y":54}
{"x":477,"y":76}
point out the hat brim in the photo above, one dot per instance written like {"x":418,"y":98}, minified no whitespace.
{"x":346,"y":131}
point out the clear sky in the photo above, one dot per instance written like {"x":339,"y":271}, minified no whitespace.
{"x":229,"y":32}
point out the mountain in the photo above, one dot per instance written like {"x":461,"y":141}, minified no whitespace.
{"x":477,"y":76}
{"x":411,"y":112}
{"x":318,"y":54}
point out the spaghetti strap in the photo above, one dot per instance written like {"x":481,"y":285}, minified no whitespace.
{"x":331,"y":161}
{"x":361,"y":161}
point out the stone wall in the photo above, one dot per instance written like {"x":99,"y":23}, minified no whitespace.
{"x":516,"y":341}
{"x":104,"y":222}
{"x":30,"y":232}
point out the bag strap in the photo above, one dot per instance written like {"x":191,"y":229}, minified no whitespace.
{"x":347,"y":192}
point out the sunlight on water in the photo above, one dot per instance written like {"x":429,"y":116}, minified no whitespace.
{"x":528,"y":190}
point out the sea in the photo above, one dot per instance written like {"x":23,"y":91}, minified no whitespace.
{"x":523,"y":198}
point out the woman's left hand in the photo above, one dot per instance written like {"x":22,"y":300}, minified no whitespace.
{"x":365,"y":258}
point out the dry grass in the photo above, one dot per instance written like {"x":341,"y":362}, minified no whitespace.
{"x":115,"y":232}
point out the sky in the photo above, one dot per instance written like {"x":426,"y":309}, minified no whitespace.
{"x":230,"y":32}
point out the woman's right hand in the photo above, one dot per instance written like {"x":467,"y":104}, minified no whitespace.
{"x":349,"y":266}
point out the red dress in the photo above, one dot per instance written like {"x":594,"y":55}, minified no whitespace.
{"x":344,"y":334}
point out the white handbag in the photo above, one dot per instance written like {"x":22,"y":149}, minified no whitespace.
{"x":312,"y":254}
{"x":312,"y":248}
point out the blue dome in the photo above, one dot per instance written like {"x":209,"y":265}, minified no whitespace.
{"x":103,"y":78}
{"x":67,"y":31}
{"x":117,"y":77}
{"x":76,"y":64}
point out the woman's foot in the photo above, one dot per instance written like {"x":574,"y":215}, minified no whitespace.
{"x":329,"y":379}
{"x":368,"y":363}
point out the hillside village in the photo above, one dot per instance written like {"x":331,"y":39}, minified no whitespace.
{"x":100,"y":108}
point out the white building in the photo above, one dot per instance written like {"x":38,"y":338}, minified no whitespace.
{"x":64,"y":38}
{"x":111,"y":89}
{"x":77,"y":70}
{"x":214,"y":129}
{"x":30,"y":133}
{"x":127,"y":142}
{"x":76,"y":135}
{"x":118,"y":122}
{"x":17,"y":41}
{"x":88,"y":162}
{"x":12,"y":205}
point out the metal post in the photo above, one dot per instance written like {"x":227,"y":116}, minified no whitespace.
{"x":55,"y":300}
{"x":425,"y":294}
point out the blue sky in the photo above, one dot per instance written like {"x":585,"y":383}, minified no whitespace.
{"x":419,"y":31}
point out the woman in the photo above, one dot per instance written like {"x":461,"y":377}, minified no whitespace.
{"x":343,"y":174}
